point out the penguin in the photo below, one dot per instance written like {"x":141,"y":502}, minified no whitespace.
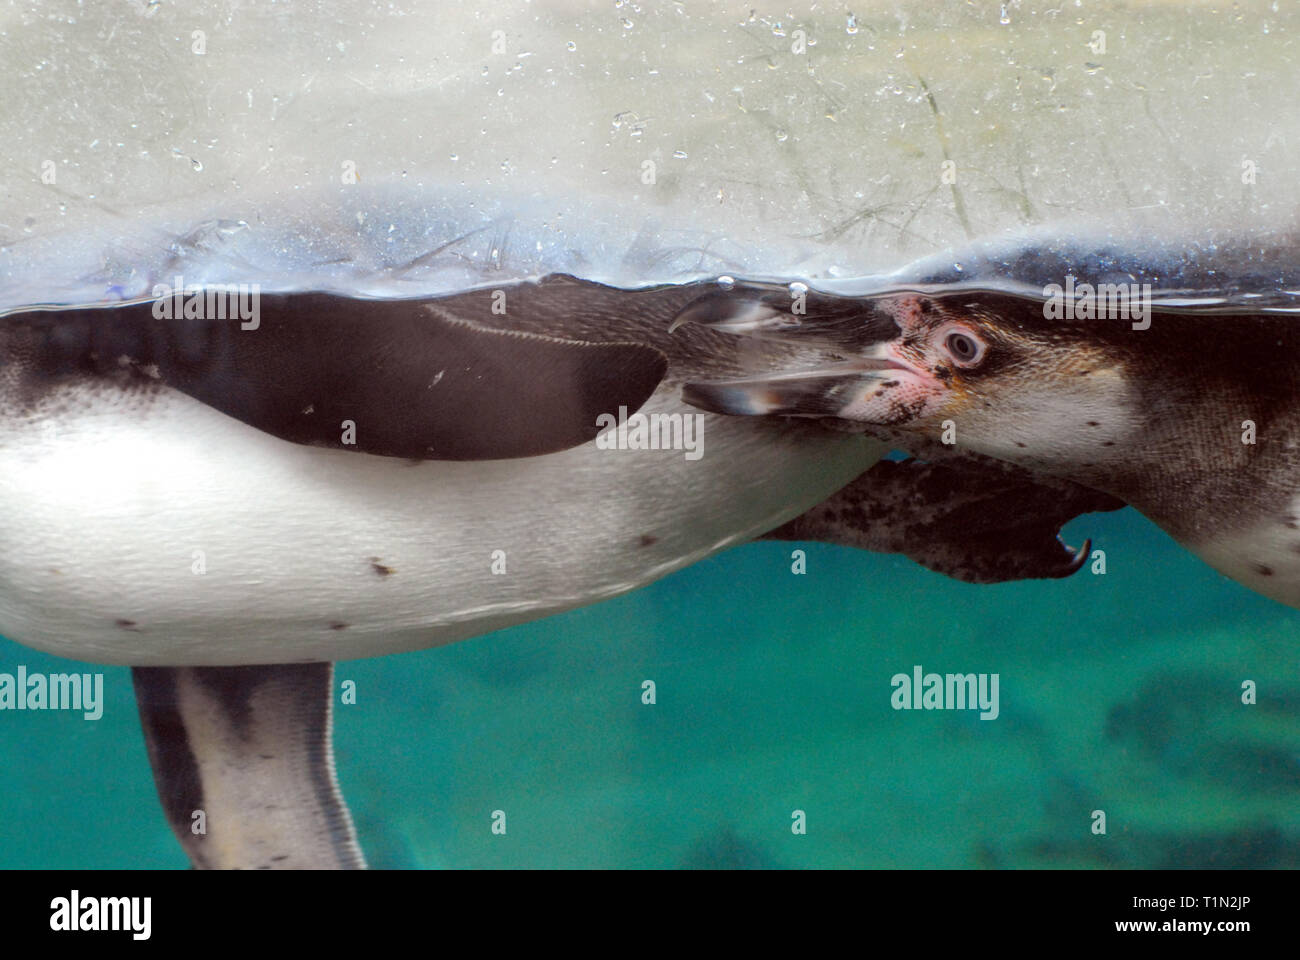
{"x":1186,"y":406}
{"x":228,"y":496}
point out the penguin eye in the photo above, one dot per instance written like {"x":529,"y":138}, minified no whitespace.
{"x":965,"y":348}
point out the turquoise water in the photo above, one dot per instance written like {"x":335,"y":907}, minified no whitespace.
{"x":1118,"y":693}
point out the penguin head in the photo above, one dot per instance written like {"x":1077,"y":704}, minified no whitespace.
{"x":983,"y":371}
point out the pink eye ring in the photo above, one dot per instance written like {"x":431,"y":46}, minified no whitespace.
{"x":964,"y":346}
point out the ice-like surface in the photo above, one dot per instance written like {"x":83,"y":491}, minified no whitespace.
{"x":1194,"y":270}
{"x":404,"y":148}
{"x":398,"y":240}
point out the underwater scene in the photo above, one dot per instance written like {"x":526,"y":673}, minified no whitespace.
{"x":845,"y":252}
{"x":1119,"y":701}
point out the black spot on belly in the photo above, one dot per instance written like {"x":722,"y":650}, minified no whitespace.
{"x":336,"y":625}
{"x":647,"y":540}
{"x":1093,"y":423}
{"x":1108,"y":443}
{"x":124,"y":624}
{"x":1263,"y":571}
{"x":1020,"y":445}
{"x":379,"y":568}
{"x":1291,"y":523}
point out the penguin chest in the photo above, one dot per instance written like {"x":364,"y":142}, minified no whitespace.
{"x":164,"y":532}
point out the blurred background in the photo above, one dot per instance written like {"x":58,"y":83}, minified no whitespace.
{"x":864,"y":135}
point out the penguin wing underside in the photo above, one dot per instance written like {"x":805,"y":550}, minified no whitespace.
{"x":969,"y":517}
{"x":397,"y":378}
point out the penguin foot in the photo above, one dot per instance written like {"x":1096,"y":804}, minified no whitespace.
{"x":968,"y":517}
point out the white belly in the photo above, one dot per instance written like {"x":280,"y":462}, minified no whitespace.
{"x":1264,"y":557}
{"x":183,"y":537}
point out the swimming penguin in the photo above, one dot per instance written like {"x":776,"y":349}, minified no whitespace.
{"x":1165,"y":376}
{"x":229,"y":494}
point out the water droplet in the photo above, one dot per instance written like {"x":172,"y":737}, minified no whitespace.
{"x":454,"y":158}
{"x":782,"y":136}
{"x":627,"y":24}
{"x":571,"y":46}
{"x":1092,"y":67}
{"x":1005,"y":18}
{"x":852,"y":25}
{"x":679,"y":154}
{"x":726,"y":283}
{"x":797,"y":287}
{"x":778,"y":30}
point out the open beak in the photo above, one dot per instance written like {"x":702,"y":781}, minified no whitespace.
{"x":798,"y":316}
{"x":822,"y":391}
{"x":857,"y":339}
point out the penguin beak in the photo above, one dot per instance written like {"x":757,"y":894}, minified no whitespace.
{"x":832,"y":390}
{"x":857,"y":340}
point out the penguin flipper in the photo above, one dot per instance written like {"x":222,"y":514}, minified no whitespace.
{"x":398,"y":378}
{"x":244,"y":765}
{"x":969,"y":517}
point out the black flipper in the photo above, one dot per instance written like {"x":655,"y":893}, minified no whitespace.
{"x":251,"y":748}
{"x":415,"y":381}
{"x":972,"y":518}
